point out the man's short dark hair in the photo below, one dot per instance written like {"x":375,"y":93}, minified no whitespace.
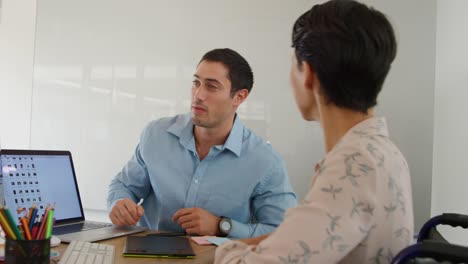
{"x":240,"y":73}
{"x":350,"y":46}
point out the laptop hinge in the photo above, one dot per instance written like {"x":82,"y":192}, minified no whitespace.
{"x":67,"y":224}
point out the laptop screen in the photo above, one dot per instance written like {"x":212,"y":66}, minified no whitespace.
{"x":40,"y":178}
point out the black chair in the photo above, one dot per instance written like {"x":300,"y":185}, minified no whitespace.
{"x":432,"y":247}
{"x":429,"y":231}
{"x":432,"y":252}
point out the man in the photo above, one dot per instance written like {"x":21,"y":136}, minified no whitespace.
{"x":205,"y":173}
{"x":359,"y":206}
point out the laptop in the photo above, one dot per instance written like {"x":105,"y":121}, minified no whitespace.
{"x":43,"y":177}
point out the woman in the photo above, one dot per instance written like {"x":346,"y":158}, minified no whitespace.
{"x":359,"y":206}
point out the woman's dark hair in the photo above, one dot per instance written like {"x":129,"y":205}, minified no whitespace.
{"x":350,"y":46}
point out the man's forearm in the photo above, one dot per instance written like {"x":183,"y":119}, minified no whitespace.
{"x":244,"y":230}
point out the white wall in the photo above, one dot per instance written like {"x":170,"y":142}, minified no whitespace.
{"x":450,"y":167}
{"x":99,"y":80}
{"x":408,"y":94}
{"x":17,"y":28}
{"x":93,"y":57}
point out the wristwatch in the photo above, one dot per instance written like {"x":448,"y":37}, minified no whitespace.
{"x":225,"y":226}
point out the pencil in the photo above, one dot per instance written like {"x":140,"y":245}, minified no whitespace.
{"x":5,"y":225}
{"x":14,"y":227}
{"x":32,"y":219}
{"x":43,"y":222}
{"x":31,"y":209}
{"x":50,"y":218}
{"x":27,"y":233}
{"x":34,"y":231}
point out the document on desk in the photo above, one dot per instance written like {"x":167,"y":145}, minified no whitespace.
{"x":218,"y":240}
{"x":158,"y":247}
{"x":202,"y":240}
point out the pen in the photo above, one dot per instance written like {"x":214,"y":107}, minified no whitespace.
{"x":144,"y":215}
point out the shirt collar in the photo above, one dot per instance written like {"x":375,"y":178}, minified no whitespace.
{"x":374,"y":126}
{"x":371,"y":127}
{"x":183,"y":129}
{"x":235,"y":138}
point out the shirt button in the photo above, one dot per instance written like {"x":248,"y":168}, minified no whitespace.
{"x":196,"y":181}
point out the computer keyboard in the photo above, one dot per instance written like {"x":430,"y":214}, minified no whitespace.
{"x":72,"y":228}
{"x":85,"y":252}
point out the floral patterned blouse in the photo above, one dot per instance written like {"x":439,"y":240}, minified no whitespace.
{"x":358,"y":208}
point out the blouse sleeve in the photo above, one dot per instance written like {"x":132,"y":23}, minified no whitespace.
{"x":335,"y":217}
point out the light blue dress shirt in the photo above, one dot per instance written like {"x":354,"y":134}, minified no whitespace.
{"x":244,"y":179}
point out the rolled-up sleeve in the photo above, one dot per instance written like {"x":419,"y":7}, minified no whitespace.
{"x":270,"y":200}
{"x":132,"y":181}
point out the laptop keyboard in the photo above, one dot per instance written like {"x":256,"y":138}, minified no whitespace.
{"x":60,"y":230}
{"x":85,"y":252}
{"x":92,"y":225}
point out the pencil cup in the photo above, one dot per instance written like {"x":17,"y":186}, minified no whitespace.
{"x":27,"y":251}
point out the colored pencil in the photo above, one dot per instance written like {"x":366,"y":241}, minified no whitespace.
{"x":5,"y":225}
{"x":50,"y":219}
{"x":14,"y":227}
{"x":24,"y":223}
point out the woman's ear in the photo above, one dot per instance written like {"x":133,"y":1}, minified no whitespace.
{"x":310,"y":76}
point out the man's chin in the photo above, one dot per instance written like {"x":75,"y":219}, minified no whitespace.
{"x":197,"y":121}
{"x":200,"y":123}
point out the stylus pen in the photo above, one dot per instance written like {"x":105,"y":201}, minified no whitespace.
{"x":144,"y":215}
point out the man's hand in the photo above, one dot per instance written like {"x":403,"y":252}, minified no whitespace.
{"x":126,"y":212}
{"x":197,"y":221}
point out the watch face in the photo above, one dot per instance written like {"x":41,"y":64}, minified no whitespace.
{"x":225,"y":226}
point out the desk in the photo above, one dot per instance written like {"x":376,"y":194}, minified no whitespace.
{"x":205,"y":254}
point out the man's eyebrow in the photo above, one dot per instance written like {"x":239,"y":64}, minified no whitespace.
{"x":207,"y":79}
{"x":212,"y":80}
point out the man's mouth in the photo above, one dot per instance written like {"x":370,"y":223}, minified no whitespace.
{"x":198,"y":108}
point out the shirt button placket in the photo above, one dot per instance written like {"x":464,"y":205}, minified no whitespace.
{"x":193,"y":190}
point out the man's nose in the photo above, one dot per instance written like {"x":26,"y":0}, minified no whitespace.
{"x":199,"y":93}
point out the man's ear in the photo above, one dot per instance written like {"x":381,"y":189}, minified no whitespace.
{"x":240,"y":97}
